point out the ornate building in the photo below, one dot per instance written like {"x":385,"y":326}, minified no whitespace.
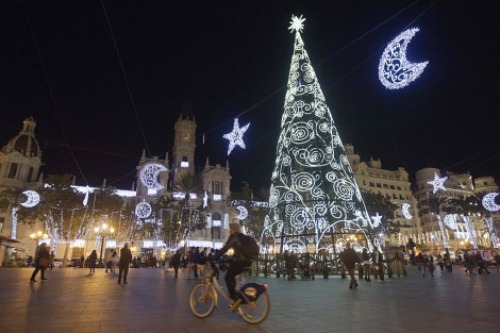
{"x":394,"y":185}
{"x":20,"y":162}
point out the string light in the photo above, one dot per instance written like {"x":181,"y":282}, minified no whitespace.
{"x":394,"y":70}
{"x":149,"y":175}
{"x":236,"y":136}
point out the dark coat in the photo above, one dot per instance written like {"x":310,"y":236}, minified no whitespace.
{"x":176,"y":259}
{"x":233,"y":242}
{"x":350,"y":258}
{"x":125,"y":257}
{"x":42,"y":252}
{"x":93,"y":259}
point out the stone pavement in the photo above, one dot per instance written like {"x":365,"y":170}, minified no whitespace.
{"x":153,"y":301}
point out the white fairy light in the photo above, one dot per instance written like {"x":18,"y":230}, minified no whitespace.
{"x":143,"y":210}
{"x":236,"y":136}
{"x":405,"y":209}
{"x":32,"y":199}
{"x":296,"y":24}
{"x":394,"y":70}
{"x":149,"y":175}
{"x":489,"y":202}
{"x":376,"y":220}
{"x":450,"y":221}
{"x":205,"y":199}
{"x":243,"y":213}
{"x":437,"y":183}
{"x":313,"y":188}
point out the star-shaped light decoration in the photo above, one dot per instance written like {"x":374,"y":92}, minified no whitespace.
{"x":437,"y":183}
{"x":236,"y":136}
{"x":376,"y":220}
{"x":296,"y":24}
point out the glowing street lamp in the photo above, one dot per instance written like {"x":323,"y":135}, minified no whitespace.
{"x":103,"y":231}
{"x":36,"y":236}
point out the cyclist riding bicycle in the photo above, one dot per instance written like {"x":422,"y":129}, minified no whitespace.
{"x":238,"y":261}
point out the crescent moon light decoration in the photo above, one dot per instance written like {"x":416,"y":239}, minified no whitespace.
{"x":243,"y":213}
{"x":33,"y":198}
{"x":405,"y":209}
{"x":236,"y":136}
{"x":489,"y":202}
{"x":394,"y":70}
{"x":143,"y":210}
{"x":149,"y":175}
{"x":450,"y":222}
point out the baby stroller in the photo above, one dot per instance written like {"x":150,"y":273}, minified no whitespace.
{"x":305,"y":271}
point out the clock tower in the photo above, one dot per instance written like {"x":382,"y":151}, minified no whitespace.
{"x":184,"y":142}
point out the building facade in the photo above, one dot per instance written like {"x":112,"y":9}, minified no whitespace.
{"x":20,"y":162}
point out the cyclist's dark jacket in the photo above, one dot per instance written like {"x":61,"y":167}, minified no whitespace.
{"x":233,"y":242}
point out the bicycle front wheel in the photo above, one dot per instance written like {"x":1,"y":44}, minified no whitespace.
{"x":255,"y":312}
{"x":202,"y":299}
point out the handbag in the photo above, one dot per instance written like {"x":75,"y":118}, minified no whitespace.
{"x":44,"y":262}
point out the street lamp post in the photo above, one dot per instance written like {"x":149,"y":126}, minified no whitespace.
{"x":103,"y":231}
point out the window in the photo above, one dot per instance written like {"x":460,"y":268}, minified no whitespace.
{"x":184,"y":162}
{"x":13,"y":170}
{"x":216,"y":226}
{"x":217,"y":187}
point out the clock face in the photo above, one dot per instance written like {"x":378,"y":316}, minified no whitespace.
{"x":186,"y":136}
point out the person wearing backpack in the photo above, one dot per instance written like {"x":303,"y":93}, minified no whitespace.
{"x":238,"y":261}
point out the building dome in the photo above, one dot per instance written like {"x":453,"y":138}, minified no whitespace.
{"x":25,"y":142}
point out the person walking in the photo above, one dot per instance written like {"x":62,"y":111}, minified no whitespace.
{"x":439,"y":259}
{"x":497,"y":260}
{"x":290,"y":265}
{"x":124,"y":263}
{"x":52,"y":257}
{"x":430,"y":264}
{"x":110,"y":265}
{"x":421,"y":263}
{"x":175,"y":261}
{"x":92,"y":262}
{"x":365,"y":257}
{"x":378,"y":262}
{"x":481,"y":264}
{"x":41,"y":261}
{"x":447,"y":261}
{"x":350,"y":258}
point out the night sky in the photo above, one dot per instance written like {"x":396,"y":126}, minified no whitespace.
{"x":97,"y":109}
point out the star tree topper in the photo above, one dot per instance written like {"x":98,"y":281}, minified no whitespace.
{"x":236,"y":136}
{"x":438,"y":183}
{"x":296,"y":24}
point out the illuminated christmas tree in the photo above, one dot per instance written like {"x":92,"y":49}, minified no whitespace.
{"x":314,"y":199}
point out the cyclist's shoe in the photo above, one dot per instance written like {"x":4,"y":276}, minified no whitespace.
{"x":234,"y":304}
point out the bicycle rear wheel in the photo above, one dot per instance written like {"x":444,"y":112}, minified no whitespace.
{"x":202,"y":299}
{"x":255,"y":312}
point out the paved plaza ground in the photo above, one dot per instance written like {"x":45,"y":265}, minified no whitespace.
{"x":153,"y":301}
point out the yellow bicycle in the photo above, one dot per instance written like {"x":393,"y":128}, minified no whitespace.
{"x":252,"y":305}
